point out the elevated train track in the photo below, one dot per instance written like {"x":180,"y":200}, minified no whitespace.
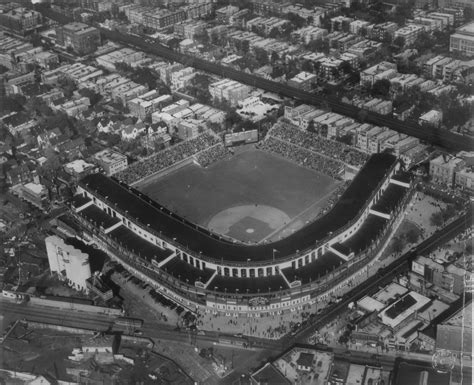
{"x":433,"y":135}
{"x":385,"y":275}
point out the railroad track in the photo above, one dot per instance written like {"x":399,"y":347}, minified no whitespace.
{"x":385,"y":275}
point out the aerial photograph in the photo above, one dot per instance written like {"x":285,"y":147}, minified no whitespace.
{"x":236,"y":192}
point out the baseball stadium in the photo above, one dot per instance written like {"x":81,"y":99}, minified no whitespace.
{"x":251,"y":231}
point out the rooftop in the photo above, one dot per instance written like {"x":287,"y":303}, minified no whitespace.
{"x":466,"y":29}
{"x":78,"y":166}
{"x":248,"y":285}
{"x":145,"y":249}
{"x":270,"y":375}
{"x":109,"y":156}
{"x":35,"y":187}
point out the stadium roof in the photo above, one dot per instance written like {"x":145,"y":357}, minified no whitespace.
{"x":161,"y":220}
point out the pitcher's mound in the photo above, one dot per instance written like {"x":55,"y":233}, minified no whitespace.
{"x":248,"y":223}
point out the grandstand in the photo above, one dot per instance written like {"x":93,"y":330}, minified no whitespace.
{"x":194,"y":262}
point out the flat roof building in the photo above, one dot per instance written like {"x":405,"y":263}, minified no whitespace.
{"x":67,"y":262}
{"x":463,"y":40}
{"x":111,"y":161}
{"x":81,"y":37}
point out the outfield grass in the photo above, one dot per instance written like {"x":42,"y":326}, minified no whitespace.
{"x":249,"y":178}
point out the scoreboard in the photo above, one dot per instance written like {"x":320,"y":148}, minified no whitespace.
{"x":243,"y":137}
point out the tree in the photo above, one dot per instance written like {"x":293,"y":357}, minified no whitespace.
{"x":307,"y":66}
{"x":232,"y":118}
{"x":296,"y":20}
{"x":345,"y":67}
{"x":437,"y":219}
{"x":94,"y":97}
{"x":468,"y":14}
{"x":424,"y":42}
{"x":68,"y":86}
{"x":274,"y":57}
{"x":261,"y":56}
{"x":456,"y":113}
{"x":381,"y":88}
{"x":38,"y":106}
{"x":274,"y":33}
{"x":412,"y":236}
{"x":397,"y":244}
{"x":311,"y":127}
{"x":399,"y":41}
{"x":403,"y":12}
{"x":144,"y":76}
{"x":448,"y":212}
{"x":362,"y":115}
{"x":203,"y":37}
{"x":12,"y":103}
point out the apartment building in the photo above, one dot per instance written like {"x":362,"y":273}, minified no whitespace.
{"x":383,"y":31}
{"x":229,"y":90}
{"x":17,"y":19}
{"x":111,"y":161}
{"x":182,"y":78}
{"x":465,"y":179}
{"x":375,"y":141}
{"x":269,"y":7}
{"x":144,"y":105}
{"x":162,"y":18}
{"x":444,"y":168}
{"x":365,"y":134}
{"x":359,"y":26}
{"x":364,"y":48}
{"x":432,"y":118}
{"x":35,"y":194}
{"x":382,"y":70}
{"x":82,"y":38}
{"x":463,"y":40}
{"x":303,"y":81}
{"x":309,"y":33}
{"x":124,"y":55}
{"x":223,"y":14}
{"x":409,"y":33}
{"x":189,"y":29}
{"x":69,"y":263}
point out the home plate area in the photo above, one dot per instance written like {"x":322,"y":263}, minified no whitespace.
{"x":248,"y":223}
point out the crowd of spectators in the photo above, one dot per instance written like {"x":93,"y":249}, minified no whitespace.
{"x":335,"y":195}
{"x":314,"y":142}
{"x":166,"y":158}
{"x":213,"y":154}
{"x":303,"y":157}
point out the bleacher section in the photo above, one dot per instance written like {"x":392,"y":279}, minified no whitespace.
{"x":311,"y":271}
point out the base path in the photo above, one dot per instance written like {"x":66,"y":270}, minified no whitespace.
{"x":224,"y":221}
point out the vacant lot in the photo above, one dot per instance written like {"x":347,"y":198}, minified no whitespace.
{"x":247,"y":197}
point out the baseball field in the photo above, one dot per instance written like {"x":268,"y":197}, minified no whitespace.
{"x":252,"y":197}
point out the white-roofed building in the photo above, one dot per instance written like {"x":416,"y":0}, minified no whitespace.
{"x":403,"y":310}
{"x":369,"y":304}
{"x":70,"y":264}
